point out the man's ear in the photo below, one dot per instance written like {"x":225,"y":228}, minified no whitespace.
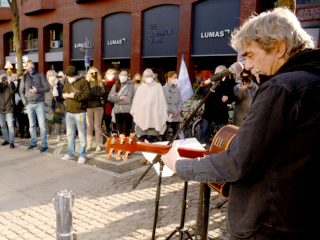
{"x":281,"y":48}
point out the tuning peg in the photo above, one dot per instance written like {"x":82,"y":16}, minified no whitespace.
{"x":114,"y":135}
{"x":122,"y":141}
{"x":118,"y":156}
{"x":122,"y":136}
{"x":112,"y":151}
{"x":125,"y":158}
{"x":109,"y":156}
{"x":131,"y":140}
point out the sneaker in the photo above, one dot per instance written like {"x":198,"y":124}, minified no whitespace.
{"x":88,"y":149}
{"x":31,"y":147}
{"x":11,"y":145}
{"x":48,"y":136}
{"x":66,"y":157}
{"x":81,"y":160}
{"x":59,"y":138}
{"x":5,"y":143}
{"x":44,"y":149}
{"x":143,"y":160}
{"x":98,"y":149}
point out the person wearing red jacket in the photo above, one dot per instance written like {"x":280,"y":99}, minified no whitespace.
{"x":110,"y":78}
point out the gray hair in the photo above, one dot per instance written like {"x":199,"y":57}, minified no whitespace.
{"x":145,"y":72}
{"x":268,"y":28}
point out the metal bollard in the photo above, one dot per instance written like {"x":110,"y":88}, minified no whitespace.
{"x":63,"y":204}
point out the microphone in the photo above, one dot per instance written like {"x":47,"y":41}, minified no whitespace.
{"x":235,"y":68}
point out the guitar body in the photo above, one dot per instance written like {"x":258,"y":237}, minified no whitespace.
{"x":222,"y":142}
{"x":124,"y":147}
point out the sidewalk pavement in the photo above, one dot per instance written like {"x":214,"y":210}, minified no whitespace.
{"x":106,"y":206}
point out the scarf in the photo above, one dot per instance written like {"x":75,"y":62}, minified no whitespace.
{"x":16,"y":96}
{"x":149,"y":107}
{"x":54,"y":83}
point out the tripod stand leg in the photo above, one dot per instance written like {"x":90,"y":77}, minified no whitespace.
{"x":157,"y":202}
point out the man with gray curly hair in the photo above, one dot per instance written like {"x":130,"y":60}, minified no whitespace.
{"x":273,"y":162}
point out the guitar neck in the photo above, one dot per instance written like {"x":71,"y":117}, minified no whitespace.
{"x":163,"y":149}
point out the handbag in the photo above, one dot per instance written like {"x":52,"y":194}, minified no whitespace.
{"x":59,"y":106}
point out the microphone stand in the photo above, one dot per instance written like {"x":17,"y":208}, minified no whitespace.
{"x":158,"y":157}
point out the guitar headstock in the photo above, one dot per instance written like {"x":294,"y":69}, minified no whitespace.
{"x":120,"y":146}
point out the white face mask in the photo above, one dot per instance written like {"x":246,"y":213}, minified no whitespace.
{"x":174,"y":82}
{"x":110,"y":77}
{"x":149,"y":80}
{"x":123,"y":79}
{"x":52,"y":78}
{"x":72,"y":79}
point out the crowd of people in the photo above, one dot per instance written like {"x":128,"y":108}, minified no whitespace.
{"x":86,"y":106}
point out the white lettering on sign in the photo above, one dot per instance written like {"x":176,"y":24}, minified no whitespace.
{"x":82,"y":45}
{"x":215,"y":34}
{"x":156,"y":36}
{"x":116,"y":42}
{"x":309,"y":13}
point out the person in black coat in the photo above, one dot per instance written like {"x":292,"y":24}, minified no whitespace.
{"x":216,"y":109}
{"x":7,"y":91}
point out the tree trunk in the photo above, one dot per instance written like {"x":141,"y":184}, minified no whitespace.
{"x":16,"y":34}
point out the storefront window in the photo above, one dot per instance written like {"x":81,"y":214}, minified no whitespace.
{"x":12,"y":47}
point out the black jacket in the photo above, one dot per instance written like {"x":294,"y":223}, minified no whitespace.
{"x":215,"y":110}
{"x":98,"y":94}
{"x":7,"y":92}
{"x":274,"y":160}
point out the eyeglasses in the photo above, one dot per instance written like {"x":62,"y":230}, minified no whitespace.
{"x":59,"y":76}
{"x":93,"y":73}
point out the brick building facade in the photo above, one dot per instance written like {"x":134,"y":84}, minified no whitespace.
{"x":46,"y":24}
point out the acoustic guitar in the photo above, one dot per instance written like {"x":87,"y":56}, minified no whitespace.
{"x":126,"y":146}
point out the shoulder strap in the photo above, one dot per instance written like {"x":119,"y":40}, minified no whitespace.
{"x":40,"y":76}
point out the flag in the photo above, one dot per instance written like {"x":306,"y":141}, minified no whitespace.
{"x":184,"y":82}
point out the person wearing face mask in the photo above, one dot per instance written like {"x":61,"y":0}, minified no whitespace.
{"x":110,"y":78}
{"x":149,"y":109}
{"x":95,"y":107}
{"x":244,"y":93}
{"x":174,"y":103}
{"x":76,"y":92}
{"x":51,"y":97}
{"x":136,"y":81}
{"x":33,"y":86}
{"x":121,"y":95}
{"x":7,"y":92}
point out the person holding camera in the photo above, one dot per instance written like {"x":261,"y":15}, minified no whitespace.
{"x":244,"y":93}
{"x":7,"y":92}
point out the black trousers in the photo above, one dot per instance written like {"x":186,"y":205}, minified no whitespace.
{"x":123,"y":122}
{"x":175,"y":128}
{"x":23,"y":124}
{"x":266,"y":233}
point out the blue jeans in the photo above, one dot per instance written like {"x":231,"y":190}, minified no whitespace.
{"x":36,"y":110}
{"x":76,"y":121}
{"x":205,"y":129}
{"x":9,"y":137}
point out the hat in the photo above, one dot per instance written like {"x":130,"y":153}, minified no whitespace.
{"x":9,"y":71}
{"x":3,"y":72}
{"x":60,"y":74}
{"x":3,"y":76}
{"x":71,"y":71}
